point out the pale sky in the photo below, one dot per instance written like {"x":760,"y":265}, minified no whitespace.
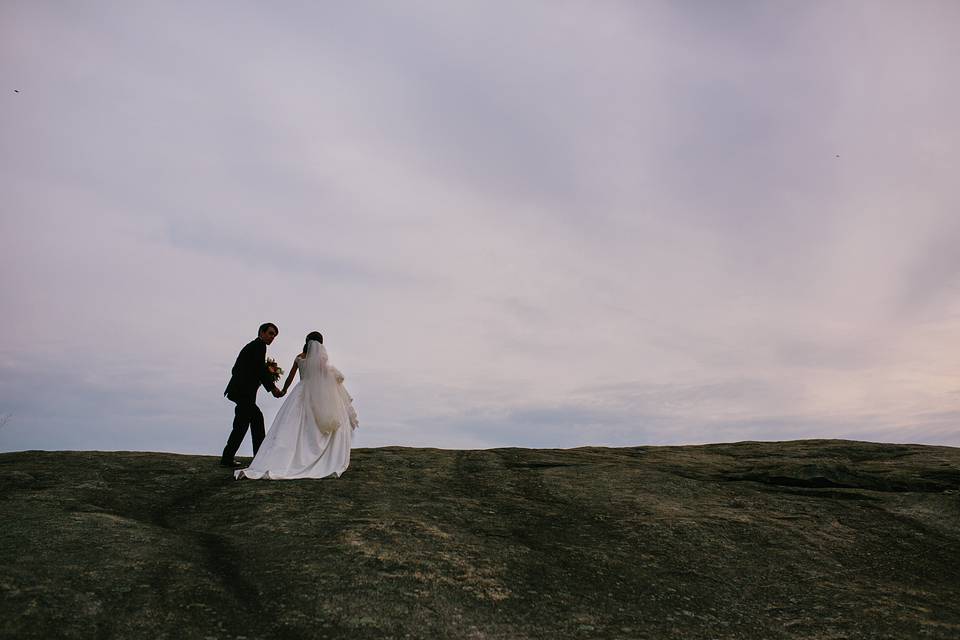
{"x":539,"y":223}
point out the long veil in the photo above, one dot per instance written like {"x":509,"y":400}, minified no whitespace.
{"x":323,"y":401}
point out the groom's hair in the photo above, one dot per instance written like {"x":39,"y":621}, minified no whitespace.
{"x":313,"y":335}
{"x":268,"y":325}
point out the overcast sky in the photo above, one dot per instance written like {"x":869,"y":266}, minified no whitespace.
{"x":542,"y":224}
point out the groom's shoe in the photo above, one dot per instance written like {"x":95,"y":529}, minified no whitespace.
{"x":232,"y":464}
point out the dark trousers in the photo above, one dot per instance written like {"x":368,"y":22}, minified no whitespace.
{"x":246,"y":415}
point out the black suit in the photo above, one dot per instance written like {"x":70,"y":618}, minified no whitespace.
{"x":249,"y":373}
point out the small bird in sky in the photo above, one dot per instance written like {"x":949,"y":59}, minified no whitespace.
{"x":16,"y":90}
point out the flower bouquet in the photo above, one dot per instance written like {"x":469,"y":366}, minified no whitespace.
{"x":274,"y":369}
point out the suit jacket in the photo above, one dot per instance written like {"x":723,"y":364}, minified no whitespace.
{"x":249,"y":372}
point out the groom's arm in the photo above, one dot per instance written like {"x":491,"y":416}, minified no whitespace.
{"x":259,"y":367}
{"x":261,"y":372}
{"x":252,"y":361}
{"x":268,"y":384}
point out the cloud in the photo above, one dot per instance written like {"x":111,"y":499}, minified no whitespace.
{"x":540,"y":224}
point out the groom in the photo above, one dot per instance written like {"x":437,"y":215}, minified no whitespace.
{"x":249,"y":372}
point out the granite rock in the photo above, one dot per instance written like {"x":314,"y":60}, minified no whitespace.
{"x":806,"y":539}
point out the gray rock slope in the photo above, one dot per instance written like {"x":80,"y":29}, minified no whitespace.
{"x":807,"y":539}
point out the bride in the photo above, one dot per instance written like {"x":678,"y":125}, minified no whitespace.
{"x":312,"y":433}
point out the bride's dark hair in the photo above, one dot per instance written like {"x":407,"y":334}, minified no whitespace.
{"x":313,"y":335}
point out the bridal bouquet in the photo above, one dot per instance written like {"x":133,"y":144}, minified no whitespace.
{"x":274,"y":369}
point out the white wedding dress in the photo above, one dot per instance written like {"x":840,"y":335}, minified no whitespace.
{"x":313,"y":431}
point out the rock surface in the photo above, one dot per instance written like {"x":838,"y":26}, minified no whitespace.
{"x":808,"y":539}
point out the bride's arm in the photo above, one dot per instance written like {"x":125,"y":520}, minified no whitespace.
{"x":293,"y":372}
